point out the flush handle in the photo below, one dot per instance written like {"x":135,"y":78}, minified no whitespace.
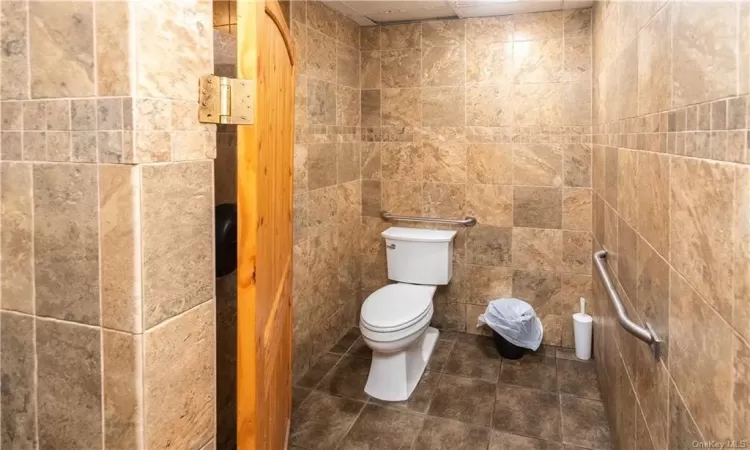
{"x":391,"y":246}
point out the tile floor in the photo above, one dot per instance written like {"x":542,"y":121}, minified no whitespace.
{"x":469,"y":398}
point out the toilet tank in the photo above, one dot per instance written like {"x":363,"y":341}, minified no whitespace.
{"x":419,"y":256}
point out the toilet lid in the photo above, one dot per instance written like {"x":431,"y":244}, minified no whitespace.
{"x":396,"y":306}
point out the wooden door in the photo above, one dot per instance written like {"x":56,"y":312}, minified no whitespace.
{"x":264,"y":202}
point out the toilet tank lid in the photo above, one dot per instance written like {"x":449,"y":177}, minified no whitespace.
{"x":418,"y":234}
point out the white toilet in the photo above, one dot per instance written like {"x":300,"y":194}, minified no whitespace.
{"x":395,"y":319}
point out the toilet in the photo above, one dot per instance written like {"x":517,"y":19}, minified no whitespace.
{"x":395,"y":319}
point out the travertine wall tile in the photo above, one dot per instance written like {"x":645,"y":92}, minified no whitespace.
{"x":113,"y":63}
{"x":179,"y":404}
{"x":18,"y":400}
{"x":66,"y":244}
{"x":121,"y":386}
{"x":68,"y":385}
{"x":16,"y":205}
{"x":170,"y":288}
{"x":62,"y":49}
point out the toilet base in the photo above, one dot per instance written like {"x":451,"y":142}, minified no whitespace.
{"x":394,"y":376}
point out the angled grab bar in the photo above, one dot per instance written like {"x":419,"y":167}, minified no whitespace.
{"x":467,"y":222}
{"x":647,"y":333}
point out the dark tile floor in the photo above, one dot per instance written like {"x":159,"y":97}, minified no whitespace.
{"x":469,"y":398}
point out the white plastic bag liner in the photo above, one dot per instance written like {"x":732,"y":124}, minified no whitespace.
{"x":515,"y":320}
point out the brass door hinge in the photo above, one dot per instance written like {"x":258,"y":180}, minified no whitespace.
{"x":226,"y":100}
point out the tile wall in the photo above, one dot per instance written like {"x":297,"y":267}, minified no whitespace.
{"x":327,"y":180}
{"x":106,"y":241}
{"x":490,"y":118}
{"x":672,"y":207}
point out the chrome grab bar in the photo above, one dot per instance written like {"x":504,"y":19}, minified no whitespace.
{"x":466,"y":222}
{"x":647,"y":333}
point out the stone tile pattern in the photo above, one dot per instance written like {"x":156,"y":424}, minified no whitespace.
{"x":545,"y":400}
{"x":327,"y":180}
{"x":78,"y":317}
{"x":100,"y":105}
{"x":490,"y":118}
{"x":671,"y":205}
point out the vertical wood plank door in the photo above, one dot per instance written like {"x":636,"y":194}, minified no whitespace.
{"x":264,"y":201}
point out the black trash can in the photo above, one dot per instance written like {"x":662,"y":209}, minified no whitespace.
{"x":506,"y":349}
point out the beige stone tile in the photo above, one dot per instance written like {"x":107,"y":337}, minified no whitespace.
{"x":322,"y":209}
{"x":490,"y":204}
{"x":702,"y":72}
{"x":443,"y":106}
{"x":577,"y":165}
{"x":700,"y":363}
{"x":34,"y":116}
{"x":577,"y":59}
{"x":537,"y":249}
{"x":68,"y":385}
{"x":120,"y":270}
{"x":537,"y":165}
{"x":490,"y":164}
{"x":576,"y":103}
{"x":489,"y":64}
{"x":193,"y":145}
{"x":34,"y":146}
{"x":485,"y":283}
{"x":83,"y":115}
{"x":179,"y":404}
{"x":170,"y":288}
{"x":401,"y":107}
{"x":321,"y":18}
{"x":12,"y":114}
{"x":14,"y":36}
{"x":152,"y":146}
{"x":400,"y":197}
{"x":627,"y":200}
{"x":611,"y":176}
{"x":112,"y":51}
{"x":123,"y":402}
{"x":62,"y":49}
{"x":18,"y":372}
{"x":489,"y":30}
{"x":444,"y":162}
{"x":654,"y":56}
{"x":653,"y":200}
{"x":488,"y":106}
{"x":371,"y":197}
{"x":83,"y":146}
{"x":347,"y":31}
{"x":165,"y":69}
{"x":369,"y":38}
{"x":541,"y":289}
{"x":536,"y":26}
{"x":537,"y":104}
{"x":576,"y":251}
{"x":741,"y":409}
{"x":400,"y":68}
{"x":321,"y":57}
{"x":538,"y":61}
{"x":58,"y":146}
{"x":701,"y":193}
{"x":370,"y":160}
{"x":443,"y":66}
{"x":741,"y":316}
{"x":537,"y":207}
{"x":10,"y":146}
{"x":66,"y":242}
{"x":489,"y":246}
{"x":577,"y":22}
{"x":407,"y":35}
{"x":440,"y":33}
{"x":58,"y":115}
{"x":16,"y":205}
{"x":444,"y":200}
{"x":651,"y":303}
{"x":682,"y":429}
{"x":348,"y":106}
{"x":370,"y":70}
{"x":347,"y":161}
{"x":109,"y":113}
{"x":402,"y":161}
{"x":627,"y":85}
{"x":321,"y":165}
{"x":299,"y":34}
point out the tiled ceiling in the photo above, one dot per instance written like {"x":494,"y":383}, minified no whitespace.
{"x":372,"y":12}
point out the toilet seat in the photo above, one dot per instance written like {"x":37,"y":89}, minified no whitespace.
{"x":396,"y":307}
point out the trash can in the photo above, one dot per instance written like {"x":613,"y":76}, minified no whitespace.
{"x":506,"y":349}
{"x":515,"y":325}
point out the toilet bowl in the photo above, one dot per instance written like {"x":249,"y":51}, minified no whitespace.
{"x":395,"y":323}
{"x":395,"y":319}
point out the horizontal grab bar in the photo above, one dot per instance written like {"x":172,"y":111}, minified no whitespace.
{"x":647,"y":333}
{"x":467,"y":222}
